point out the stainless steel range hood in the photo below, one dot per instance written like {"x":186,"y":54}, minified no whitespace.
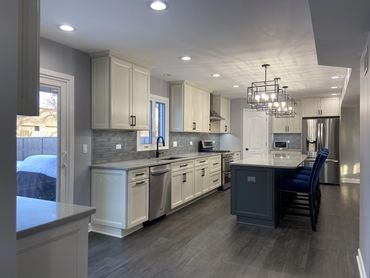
{"x":214,"y":116}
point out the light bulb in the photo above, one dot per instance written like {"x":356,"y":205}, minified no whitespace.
{"x":269,"y":104}
{"x":263,"y":95}
{"x":279,"y":109}
{"x":273,"y":96}
{"x":285,"y":109}
{"x":290,"y":108}
{"x":283,"y":104}
{"x":276,"y":104}
{"x":258,"y":97}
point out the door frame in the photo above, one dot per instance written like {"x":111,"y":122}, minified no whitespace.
{"x":66,"y":84}
{"x":268,"y":128}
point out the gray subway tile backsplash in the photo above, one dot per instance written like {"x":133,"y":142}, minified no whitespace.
{"x":295,"y":139}
{"x":104,"y":145}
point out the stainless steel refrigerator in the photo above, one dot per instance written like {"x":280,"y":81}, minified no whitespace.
{"x":318,"y":133}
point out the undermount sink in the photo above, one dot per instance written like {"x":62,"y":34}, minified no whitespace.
{"x":171,"y":158}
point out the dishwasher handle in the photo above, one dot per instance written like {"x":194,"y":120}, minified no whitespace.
{"x":161,"y":171}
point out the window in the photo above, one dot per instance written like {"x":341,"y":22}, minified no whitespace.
{"x":158,"y":125}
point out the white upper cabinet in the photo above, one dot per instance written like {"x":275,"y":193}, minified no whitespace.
{"x":288,"y":125}
{"x":321,"y":107}
{"x":29,"y":58}
{"x":189,"y":108}
{"x":221,"y":106}
{"x":120,"y":94}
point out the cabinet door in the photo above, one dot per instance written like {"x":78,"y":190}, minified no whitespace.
{"x":226,"y":114}
{"x":188,"y":186}
{"x":330,"y":106}
{"x":205,"y":179}
{"x":205,"y":112}
{"x":137,"y":203}
{"x":176,"y":189}
{"x":295,"y":124}
{"x":108,"y":195}
{"x":197,"y":107}
{"x":188,"y":109}
{"x":310,"y":107}
{"x":198,"y":190}
{"x":279,"y":125}
{"x":100,"y":93}
{"x":120,"y":88}
{"x":140,"y":97}
{"x":214,"y":180}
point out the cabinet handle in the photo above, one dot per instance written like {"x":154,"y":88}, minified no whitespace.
{"x":140,"y":174}
{"x":134,"y":120}
{"x":141,"y":182}
{"x":184,"y":177}
{"x":225,"y":128}
{"x":194,"y":125}
{"x":203,"y":172}
{"x":202,"y":161}
{"x":210,"y":127}
{"x":216,"y":163}
{"x":131,"y":120}
{"x":183,"y":165}
{"x":215,"y":180}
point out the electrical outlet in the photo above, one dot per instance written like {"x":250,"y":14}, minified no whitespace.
{"x":118,"y":146}
{"x":84,"y":148}
{"x":191,"y":143}
{"x":174,"y":144}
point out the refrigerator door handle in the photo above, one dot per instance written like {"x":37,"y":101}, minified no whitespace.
{"x":332,"y":160}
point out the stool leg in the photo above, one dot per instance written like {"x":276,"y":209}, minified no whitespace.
{"x":312,"y":212}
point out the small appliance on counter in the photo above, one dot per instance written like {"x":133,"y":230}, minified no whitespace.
{"x":227,"y":157}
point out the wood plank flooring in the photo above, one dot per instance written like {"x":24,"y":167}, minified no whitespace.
{"x":204,"y":240}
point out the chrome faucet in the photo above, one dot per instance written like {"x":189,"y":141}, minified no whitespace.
{"x":163,"y":144}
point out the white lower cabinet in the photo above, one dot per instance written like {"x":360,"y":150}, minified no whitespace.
{"x":121,"y":201}
{"x":201,"y":181}
{"x":215,"y":180}
{"x":182,"y":183}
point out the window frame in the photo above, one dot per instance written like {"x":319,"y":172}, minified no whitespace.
{"x":153,"y":145}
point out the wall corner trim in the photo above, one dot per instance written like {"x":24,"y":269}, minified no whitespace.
{"x":360,"y":264}
{"x":350,"y":180}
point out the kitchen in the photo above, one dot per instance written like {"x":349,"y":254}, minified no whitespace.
{"x":153,"y":130}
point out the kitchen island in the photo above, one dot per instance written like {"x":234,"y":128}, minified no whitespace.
{"x":52,"y":239}
{"x":253,"y":199}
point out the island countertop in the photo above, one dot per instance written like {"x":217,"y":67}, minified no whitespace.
{"x":288,"y":160}
{"x":34,"y":215}
{"x":150,"y":162}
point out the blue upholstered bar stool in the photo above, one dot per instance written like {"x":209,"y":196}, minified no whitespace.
{"x":293,"y":186}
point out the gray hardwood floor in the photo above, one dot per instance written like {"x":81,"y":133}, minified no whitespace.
{"x":204,"y":240}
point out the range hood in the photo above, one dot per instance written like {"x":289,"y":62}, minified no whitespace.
{"x":213,"y":116}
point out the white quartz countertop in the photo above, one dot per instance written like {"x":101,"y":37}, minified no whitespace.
{"x":34,"y":215}
{"x":288,"y":160}
{"x":150,"y":162}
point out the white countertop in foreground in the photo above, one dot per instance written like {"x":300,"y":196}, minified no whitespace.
{"x":289,"y":160}
{"x":150,"y":162}
{"x":34,"y":215}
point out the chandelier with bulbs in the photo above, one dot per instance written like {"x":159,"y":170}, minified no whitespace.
{"x":270,"y":97}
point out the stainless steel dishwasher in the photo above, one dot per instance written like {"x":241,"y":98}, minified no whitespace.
{"x":159,"y":191}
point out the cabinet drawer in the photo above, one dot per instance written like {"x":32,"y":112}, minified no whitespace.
{"x":184,"y":165}
{"x":215,"y":163}
{"x":201,"y":162}
{"x":138,"y":174}
{"x":215,"y":180}
{"x":236,"y":156}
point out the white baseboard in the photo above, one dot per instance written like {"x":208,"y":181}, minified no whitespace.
{"x":360,"y":264}
{"x":349,"y":180}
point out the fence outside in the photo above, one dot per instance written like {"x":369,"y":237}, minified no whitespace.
{"x":27,"y":146}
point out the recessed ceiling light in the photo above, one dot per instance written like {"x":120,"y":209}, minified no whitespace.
{"x":235,"y":86}
{"x":334,"y":94}
{"x":215,"y":75}
{"x":158,"y":5}
{"x":185,"y":58}
{"x":335,"y":77}
{"x":66,"y":28}
{"x":334,"y":87}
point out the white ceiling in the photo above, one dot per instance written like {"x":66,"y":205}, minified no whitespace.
{"x":230,"y":37}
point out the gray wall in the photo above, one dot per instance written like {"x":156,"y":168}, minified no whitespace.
{"x":365,"y":175}
{"x":104,"y":145}
{"x":159,"y":87}
{"x":350,"y":142}
{"x":234,"y":140}
{"x":8,"y":81}
{"x":60,"y":58}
